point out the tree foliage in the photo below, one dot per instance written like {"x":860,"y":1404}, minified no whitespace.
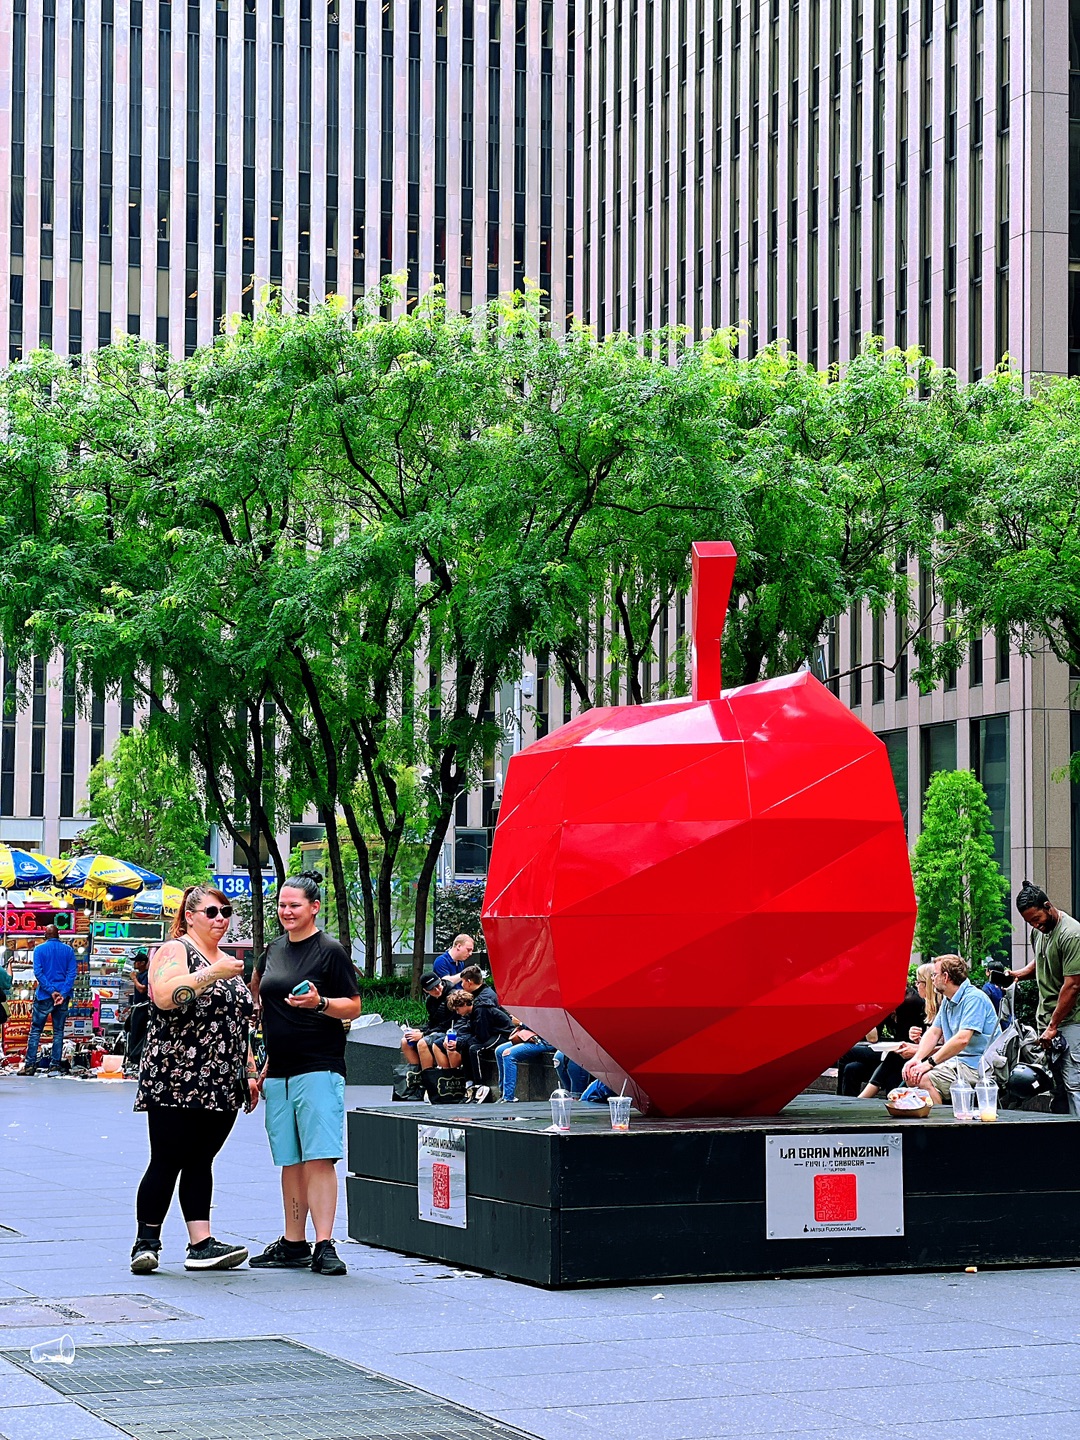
{"x":146,"y":808}
{"x":317,"y":548}
{"x":961,"y":893}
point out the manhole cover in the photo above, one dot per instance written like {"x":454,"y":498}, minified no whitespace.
{"x":88,"y":1310}
{"x":252,"y":1390}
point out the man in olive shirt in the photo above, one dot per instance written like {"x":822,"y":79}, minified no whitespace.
{"x":1056,"y":967}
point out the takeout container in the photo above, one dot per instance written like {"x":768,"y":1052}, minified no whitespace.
{"x":899,"y":1110}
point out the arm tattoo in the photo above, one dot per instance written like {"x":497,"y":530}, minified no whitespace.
{"x":183,"y":995}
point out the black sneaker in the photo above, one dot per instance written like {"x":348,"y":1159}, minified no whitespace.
{"x":283,"y":1255}
{"x":28,"y":1070}
{"x":326,"y":1260}
{"x":144,"y":1256}
{"x":213,"y":1255}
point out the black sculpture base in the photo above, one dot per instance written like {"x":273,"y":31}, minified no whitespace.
{"x":685,"y":1199}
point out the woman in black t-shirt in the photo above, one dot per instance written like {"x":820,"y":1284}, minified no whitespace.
{"x":307,"y":987}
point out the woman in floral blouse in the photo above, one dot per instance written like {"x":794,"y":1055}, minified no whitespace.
{"x":196,"y":1072}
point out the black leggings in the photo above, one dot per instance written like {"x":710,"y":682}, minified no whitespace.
{"x":183,"y":1144}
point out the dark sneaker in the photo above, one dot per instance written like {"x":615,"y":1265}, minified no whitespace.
{"x":144,"y":1256}
{"x":213,"y":1255}
{"x":283,"y":1255}
{"x":28,"y":1070}
{"x":480,"y":1094}
{"x":326,"y":1260}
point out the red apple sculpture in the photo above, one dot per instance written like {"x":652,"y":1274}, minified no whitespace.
{"x":707,"y":900}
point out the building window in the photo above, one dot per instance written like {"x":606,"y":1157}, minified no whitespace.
{"x":1001,"y":663}
{"x":896,"y":747}
{"x":878,"y":673}
{"x":7,"y":737}
{"x":37,"y":738}
{"x":990,"y":764}
{"x":975,"y":661}
{"x":856,"y":654}
{"x":937,"y":751}
{"x":470,"y":852}
{"x":67,"y":740}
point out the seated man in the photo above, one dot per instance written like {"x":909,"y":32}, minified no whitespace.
{"x":453,"y":960}
{"x":961,"y":1030}
{"x":475,"y":983}
{"x":416,"y":1043}
{"x":573,"y":1078}
{"x":478,"y":1029}
{"x":523,"y":1044}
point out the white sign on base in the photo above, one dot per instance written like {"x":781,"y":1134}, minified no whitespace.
{"x":820,"y":1187}
{"x":440,"y":1174}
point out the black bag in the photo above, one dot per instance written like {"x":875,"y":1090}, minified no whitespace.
{"x":408,"y":1083}
{"x":445,"y":1087}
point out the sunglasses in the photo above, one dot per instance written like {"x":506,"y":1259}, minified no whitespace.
{"x":213,"y":911}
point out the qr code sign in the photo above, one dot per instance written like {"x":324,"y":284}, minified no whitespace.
{"x":440,"y":1185}
{"x":835,"y":1198}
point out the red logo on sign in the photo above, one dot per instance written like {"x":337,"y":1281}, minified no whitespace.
{"x":835,"y":1199}
{"x":440,"y":1185}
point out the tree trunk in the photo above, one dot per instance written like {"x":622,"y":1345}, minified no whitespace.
{"x":337,"y":875}
{"x":385,"y":900}
{"x":367,"y":889}
{"x":255,"y":872}
{"x":423,"y":891}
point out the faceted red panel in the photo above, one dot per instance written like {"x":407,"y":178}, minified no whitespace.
{"x":709,"y":900}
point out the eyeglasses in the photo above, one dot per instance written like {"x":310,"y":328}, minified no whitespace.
{"x":213,"y":911}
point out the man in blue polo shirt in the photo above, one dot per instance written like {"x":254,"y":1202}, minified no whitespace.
{"x":54,"y":970}
{"x":963,"y":1027}
{"x":452,"y":962}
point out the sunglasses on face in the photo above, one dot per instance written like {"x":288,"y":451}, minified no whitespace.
{"x":213,"y":911}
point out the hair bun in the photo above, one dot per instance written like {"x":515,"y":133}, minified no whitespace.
{"x":311,"y":875}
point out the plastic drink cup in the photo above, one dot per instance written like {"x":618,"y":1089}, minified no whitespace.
{"x":54,"y":1352}
{"x":963,"y":1101}
{"x":451,"y":1036}
{"x":619,"y":1105}
{"x":986,"y":1097}
{"x":560,"y":1110}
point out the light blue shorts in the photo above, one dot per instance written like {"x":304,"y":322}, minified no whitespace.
{"x":305,"y":1117}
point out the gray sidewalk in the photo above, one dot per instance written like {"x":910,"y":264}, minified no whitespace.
{"x":992,"y":1356}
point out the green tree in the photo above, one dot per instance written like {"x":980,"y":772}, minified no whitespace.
{"x":146,"y":808}
{"x":961,"y":893}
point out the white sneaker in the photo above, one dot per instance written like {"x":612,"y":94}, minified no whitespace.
{"x":480,"y":1094}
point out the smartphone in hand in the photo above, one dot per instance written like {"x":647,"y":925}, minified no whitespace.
{"x":302,"y":988}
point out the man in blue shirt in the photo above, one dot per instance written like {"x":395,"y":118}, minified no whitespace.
{"x":54,"y":970}
{"x":963,"y":1027}
{"x":452,"y":962}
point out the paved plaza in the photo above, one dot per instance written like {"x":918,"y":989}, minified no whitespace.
{"x":991,"y":1356}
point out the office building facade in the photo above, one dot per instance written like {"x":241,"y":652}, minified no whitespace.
{"x":815,"y":171}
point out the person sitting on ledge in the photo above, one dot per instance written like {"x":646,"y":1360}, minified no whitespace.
{"x":523,"y":1044}
{"x":856,"y":1069}
{"x":912,"y":1016}
{"x":453,"y":960}
{"x":416,"y":1044}
{"x":963,"y":1027}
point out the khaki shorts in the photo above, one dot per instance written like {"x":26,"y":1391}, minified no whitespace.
{"x":944,"y":1076}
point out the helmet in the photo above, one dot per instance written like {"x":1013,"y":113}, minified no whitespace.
{"x":1026,"y":1081}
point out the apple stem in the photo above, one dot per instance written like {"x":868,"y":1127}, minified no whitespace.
{"x":713,"y":572}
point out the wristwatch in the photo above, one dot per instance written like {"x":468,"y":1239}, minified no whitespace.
{"x":323,"y":1002}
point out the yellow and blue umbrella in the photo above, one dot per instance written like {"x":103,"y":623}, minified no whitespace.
{"x":148,"y":904}
{"x":101,"y":877}
{"x":21,"y":870}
